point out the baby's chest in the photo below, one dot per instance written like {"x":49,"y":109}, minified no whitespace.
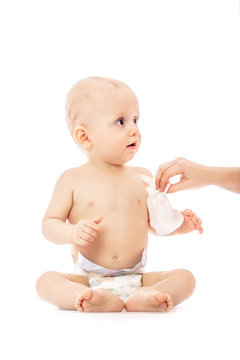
{"x":106,"y":198}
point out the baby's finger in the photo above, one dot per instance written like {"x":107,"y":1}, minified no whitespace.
{"x":200,"y":230}
{"x":82,"y":242}
{"x":199,"y":226}
{"x":97,"y":219}
{"x":199,"y":223}
{"x":92,"y":225}
{"x":90,"y":231}
{"x":187,"y":212}
{"x":87,"y":238}
{"x":194,"y":217}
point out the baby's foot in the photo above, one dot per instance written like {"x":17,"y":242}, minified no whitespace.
{"x":98,"y":300}
{"x":149,"y":299}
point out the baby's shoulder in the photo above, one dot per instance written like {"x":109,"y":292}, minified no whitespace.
{"x":143,"y":171}
{"x":70,"y":175}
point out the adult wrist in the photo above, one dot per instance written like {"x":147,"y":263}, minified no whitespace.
{"x":213,"y":175}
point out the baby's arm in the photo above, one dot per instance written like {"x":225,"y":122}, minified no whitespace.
{"x":54,"y":225}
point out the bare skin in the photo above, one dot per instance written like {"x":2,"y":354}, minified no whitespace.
{"x":100,"y":208}
{"x":161,"y":291}
{"x":102,"y":300}
{"x":195,"y":175}
{"x":149,"y":299}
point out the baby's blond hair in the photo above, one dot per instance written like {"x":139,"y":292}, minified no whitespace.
{"x":80,"y":100}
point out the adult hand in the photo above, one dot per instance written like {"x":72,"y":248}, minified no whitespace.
{"x":192,"y":175}
{"x":195,"y":175}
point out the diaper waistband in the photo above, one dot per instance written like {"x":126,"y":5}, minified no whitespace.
{"x":88,"y":266}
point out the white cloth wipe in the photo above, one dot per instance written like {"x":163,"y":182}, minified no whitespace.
{"x":163,"y":218}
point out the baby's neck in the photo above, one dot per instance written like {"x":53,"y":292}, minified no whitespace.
{"x":107,"y":167}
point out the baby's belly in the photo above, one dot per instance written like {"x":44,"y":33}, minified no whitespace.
{"x":116,"y":248}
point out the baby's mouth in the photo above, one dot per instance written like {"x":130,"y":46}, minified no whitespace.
{"x":134,"y":144}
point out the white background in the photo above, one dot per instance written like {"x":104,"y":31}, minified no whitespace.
{"x":182,"y":60}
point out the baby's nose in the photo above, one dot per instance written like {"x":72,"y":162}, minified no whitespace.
{"x":133,"y":129}
{"x":132,"y":132}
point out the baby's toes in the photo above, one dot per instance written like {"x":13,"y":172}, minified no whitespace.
{"x":169,"y":302}
{"x":78,"y":303}
{"x":166,"y":301}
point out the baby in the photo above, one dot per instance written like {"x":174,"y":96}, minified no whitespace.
{"x":101,"y":209}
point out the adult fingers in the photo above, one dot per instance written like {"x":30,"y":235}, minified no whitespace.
{"x":181,"y":185}
{"x":167,"y":174}
{"x":160,"y":172}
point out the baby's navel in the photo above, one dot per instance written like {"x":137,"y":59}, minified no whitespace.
{"x":139,"y":201}
{"x":91,"y":203}
{"x":115,"y":258}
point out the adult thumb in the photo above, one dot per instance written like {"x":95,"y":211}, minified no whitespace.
{"x":182,"y":185}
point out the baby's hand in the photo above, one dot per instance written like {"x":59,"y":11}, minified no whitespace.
{"x":191,"y":222}
{"x":86,"y":230}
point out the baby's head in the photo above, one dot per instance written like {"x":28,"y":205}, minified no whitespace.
{"x":102,"y":116}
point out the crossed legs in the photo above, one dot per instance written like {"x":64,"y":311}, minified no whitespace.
{"x":160,"y":291}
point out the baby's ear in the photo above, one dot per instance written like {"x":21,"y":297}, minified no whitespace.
{"x":81,"y":136}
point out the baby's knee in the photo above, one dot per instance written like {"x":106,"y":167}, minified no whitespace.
{"x":44,"y":281}
{"x":187,"y":278}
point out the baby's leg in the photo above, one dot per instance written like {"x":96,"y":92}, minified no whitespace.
{"x":61,"y":289}
{"x":71,"y":292}
{"x":161,"y":291}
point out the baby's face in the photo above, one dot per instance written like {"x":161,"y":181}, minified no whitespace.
{"x":114,"y":126}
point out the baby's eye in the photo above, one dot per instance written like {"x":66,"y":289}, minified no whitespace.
{"x":121,"y":121}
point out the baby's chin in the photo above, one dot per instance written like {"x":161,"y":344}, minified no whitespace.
{"x":121,"y":159}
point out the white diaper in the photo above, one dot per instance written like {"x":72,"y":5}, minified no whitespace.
{"x":163,"y":218}
{"x":123,"y":282}
{"x":122,"y":286}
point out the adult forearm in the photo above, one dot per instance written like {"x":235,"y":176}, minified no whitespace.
{"x":225,"y":177}
{"x":58,"y":231}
